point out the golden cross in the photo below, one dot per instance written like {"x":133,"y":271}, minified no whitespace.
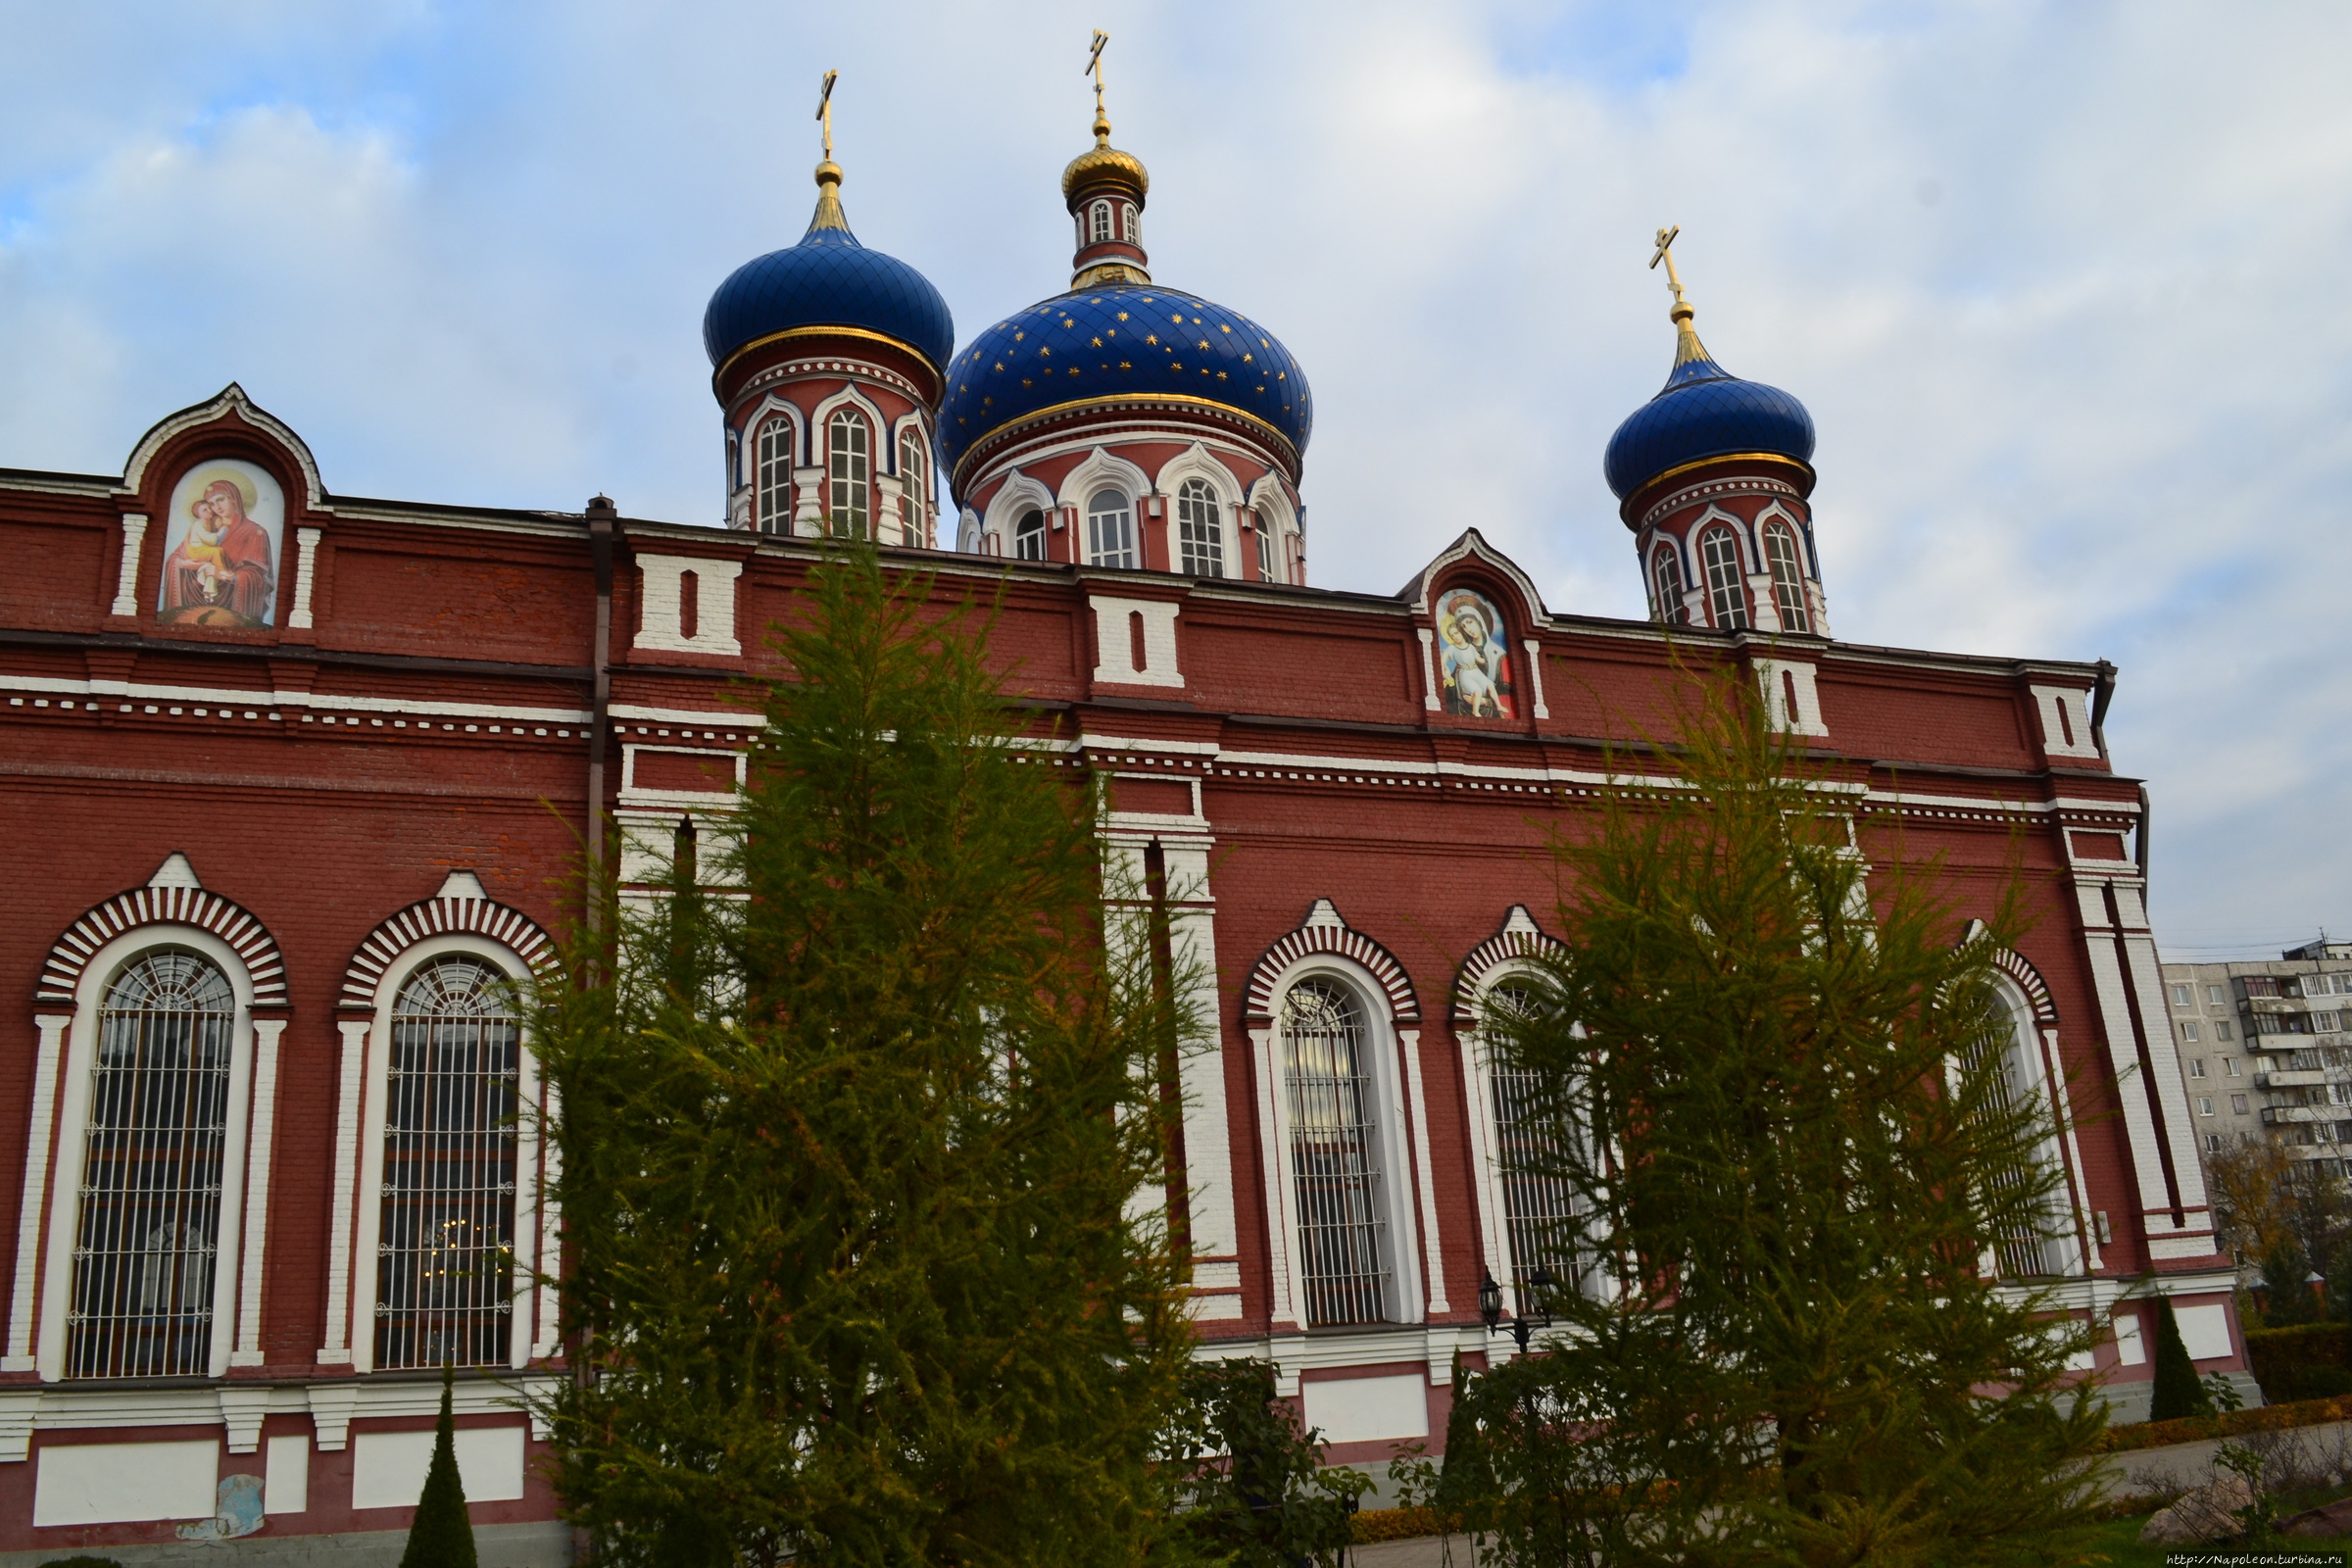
{"x":1093,"y":64}
{"x":824,"y":110}
{"x":1665,"y":253}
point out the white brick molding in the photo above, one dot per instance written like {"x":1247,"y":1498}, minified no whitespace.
{"x":661,"y":626}
{"x":1115,"y":624}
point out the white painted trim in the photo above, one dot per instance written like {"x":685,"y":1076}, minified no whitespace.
{"x":261,"y":1144}
{"x":2027,"y":1035}
{"x":2123,"y":1053}
{"x":38,"y":1140}
{"x":1415,"y":1110}
{"x":2048,"y":700}
{"x":661,"y":605}
{"x":1100,"y":471}
{"x":1018,"y":493}
{"x":352,"y":1069}
{"x":306,"y":574}
{"x":126,"y":579}
{"x":233,"y":697}
{"x":231,"y":400}
{"x":1774,"y":678}
{"x":72,"y":1139}
{"x":369,"y":1221}
{"x":550,"y":1236}
{"x":1534,"y":674}
{"x":1114,"y":638}
{"x":1429,"y":669}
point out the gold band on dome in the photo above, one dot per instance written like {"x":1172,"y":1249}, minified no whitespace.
{"x":825,"y":332}
{"x":956,"y":477}
{"x":1806,"y":469}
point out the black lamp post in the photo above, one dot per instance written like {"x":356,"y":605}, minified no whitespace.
{"x":1523,"y":1323}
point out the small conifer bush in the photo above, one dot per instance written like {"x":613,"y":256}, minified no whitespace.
{"x":442,"y":1536}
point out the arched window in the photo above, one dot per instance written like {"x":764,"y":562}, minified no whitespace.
{"x":1133,"y":224}
{"x":1335,"y":1154}
{"x":1727,"y":592}
{"x":1100,"y":218}
{"x":914,"y":504}
{"x":1535,"y":1206}
{"x":2027,"y":1249}
{"x":1200,"y":533}
{"x":852,"y":474}
{"x":1787,"y":577}
{"x":1667,"y":572}
{"x":775,"y":475}
{"x":445,"y":1276}
{"x":1110,"y":530}
{"x":1265,"y":548}
{"x":148,"y":1235}
{"x":1029,"y":536}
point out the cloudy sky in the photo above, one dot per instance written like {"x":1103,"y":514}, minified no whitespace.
{"x":2064,"y":285}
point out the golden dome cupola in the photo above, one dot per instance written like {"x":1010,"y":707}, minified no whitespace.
{"x":1104,"y":190}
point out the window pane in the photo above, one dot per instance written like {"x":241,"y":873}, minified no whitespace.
{"x":1110,"y":530}
{"x":1335,"y":1155}
{"x":152,"y":1159}
{"x":1029,"y":537}
{"x":1265,"y":548}
{"x":775,"y":475}
{"x":1788,"y":580}
{"x":853,"y":475}
{"x":914,"y":504}
{"x":2027,"y":1249}
{"x":1727,"y":594}
{"x":1200,"y":533}
{"x":446,"y":1253}
{"x":1671,"y":609}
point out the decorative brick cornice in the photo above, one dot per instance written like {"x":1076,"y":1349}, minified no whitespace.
{"x":1714,"y":490}
{"x":434,"y":917}
{"x":246,"y":936}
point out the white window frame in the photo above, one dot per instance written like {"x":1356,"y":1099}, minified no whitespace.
{"x":914,"y":478}
{"x":368,"y":1209}
{"x":1403,"y":1164}
{"x":1673,"y":609}
{"x":1213,"y":524}
{"x":1486,"y":1137}
{"x":1131,"y":223}
{"x":1099,"y":226}
{"x":2036,"y":1049}
{"x":1095,"y":553}
{"x":245,"y":1163}
{"x":1787,"y":593}
{"x":1728,"y":608}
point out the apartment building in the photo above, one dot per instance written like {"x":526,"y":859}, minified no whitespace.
{"x":2266,"y":1048}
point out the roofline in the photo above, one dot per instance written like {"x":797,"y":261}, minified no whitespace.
{"x":1284,"y":445}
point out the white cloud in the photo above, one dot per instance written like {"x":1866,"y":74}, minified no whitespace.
{"x":2057,"y":283}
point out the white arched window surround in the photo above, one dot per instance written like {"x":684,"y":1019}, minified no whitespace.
{"x":1408,"y":1208}
{"x":1277,"y":523}
{"x":1714,"y":525}
{"x":1198,"y":463}
{"x":2035,"y":1045}
{"x":819,"y":450}
{"x":771,"y":409}
{"x":920,"y":485}
{"x":244,"y":1170}
{"x":1099,"y":230}
{"x":532,"y":1325}
{"x":1668,"y":573}
{"x":1098,"y":473}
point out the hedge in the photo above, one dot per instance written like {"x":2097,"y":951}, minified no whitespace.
{"x":2309,"y":1361}
{"x":2194,"y":1428}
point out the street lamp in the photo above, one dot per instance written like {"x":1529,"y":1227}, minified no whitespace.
{"x":1523,"y":1324}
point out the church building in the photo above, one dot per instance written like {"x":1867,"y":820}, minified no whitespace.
{"x":295,"y":778}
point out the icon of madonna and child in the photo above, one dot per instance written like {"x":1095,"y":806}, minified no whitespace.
{"x":1474,"y":660}
{"x":228,"y":520}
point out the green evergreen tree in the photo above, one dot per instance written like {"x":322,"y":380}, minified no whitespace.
{"x":1810,"y":1209}
{"x":2177,"y":1391}
{"x":2286,"y":1286}
{"x":855,"y":1273}
{"x":442,"y":1535}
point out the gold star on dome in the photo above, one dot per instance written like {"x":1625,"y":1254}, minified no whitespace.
{"x":1000,"y":366}
{"x":1017,"y":336}
{"x":1025,"y":381}
{"x":1122,"y":315}
{"x":1066,"y":322}
{"x":1244,"y":359}
{"x":1124,"y":366}
{"x":1224,"y":328}
{"x":1178,"y":318}
{"x":1045,"y":352}
{"x":1096,"y":344}
{"x":1220,"y":375}
{"x":1151,"y":338}
{"x":1203,"y":343}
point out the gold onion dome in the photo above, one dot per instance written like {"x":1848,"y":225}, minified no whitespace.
{"x":1105,"y":164}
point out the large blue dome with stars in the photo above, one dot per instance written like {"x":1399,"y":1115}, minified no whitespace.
{"x":1136,"y":344}
{"x":827,"y":280}
{"x":1703,"y":411}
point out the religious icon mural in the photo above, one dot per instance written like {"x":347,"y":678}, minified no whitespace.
{"x":222,"y":542}
{"x":1474,"y":661}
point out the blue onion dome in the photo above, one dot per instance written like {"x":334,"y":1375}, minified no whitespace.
{"x":1137,"y":346}
{"x":1704,"y":411}
{"x":828,"y":281}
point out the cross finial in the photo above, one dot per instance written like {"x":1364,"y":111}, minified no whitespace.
{"x":1665,"y":253}
{"x":824,"y":111}
{"x":1093,"y":66}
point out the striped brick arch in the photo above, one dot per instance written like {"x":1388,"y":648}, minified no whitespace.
{"x":1519,"y":938}
{"x":245,"y":935}
{"x":2028,"y":979}
{"x":440,"y":916}
{"x":1324,"y":932}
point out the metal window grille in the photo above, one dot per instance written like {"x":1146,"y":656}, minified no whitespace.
{"x":853,"y":474}
{"x":1535,"y":1206}
{"x":1727,"y":594}
{"x":1671,"y":609}
{"x":1110,"y":531}
{"x":1788,"y":580}
{"x":444,"y":1257}
{"x":1201,"y":537}
{"x":775,"y":475}
{"x":147,"y":1244}
{"x":2024,"y":1249}
{"x":1335,"y":1157}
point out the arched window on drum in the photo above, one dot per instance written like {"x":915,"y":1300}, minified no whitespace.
{"x":914,"y":502}
{"x":148,"y":1233}
{"x":1538,"y":1203}
{"x":1110,"y":530}
{"x":1199,"y":531}
{"x":1727,"y":590}
{"x":1029,"y":536}
{"x":1099,"y":223}
{"x":1667,"y":573}
{"x":849,"y":444}
{"x":775,"y":458}
{"x":1787,"y":577}
{"x":445,"y":1280}
{"x":1336,"y":1154}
